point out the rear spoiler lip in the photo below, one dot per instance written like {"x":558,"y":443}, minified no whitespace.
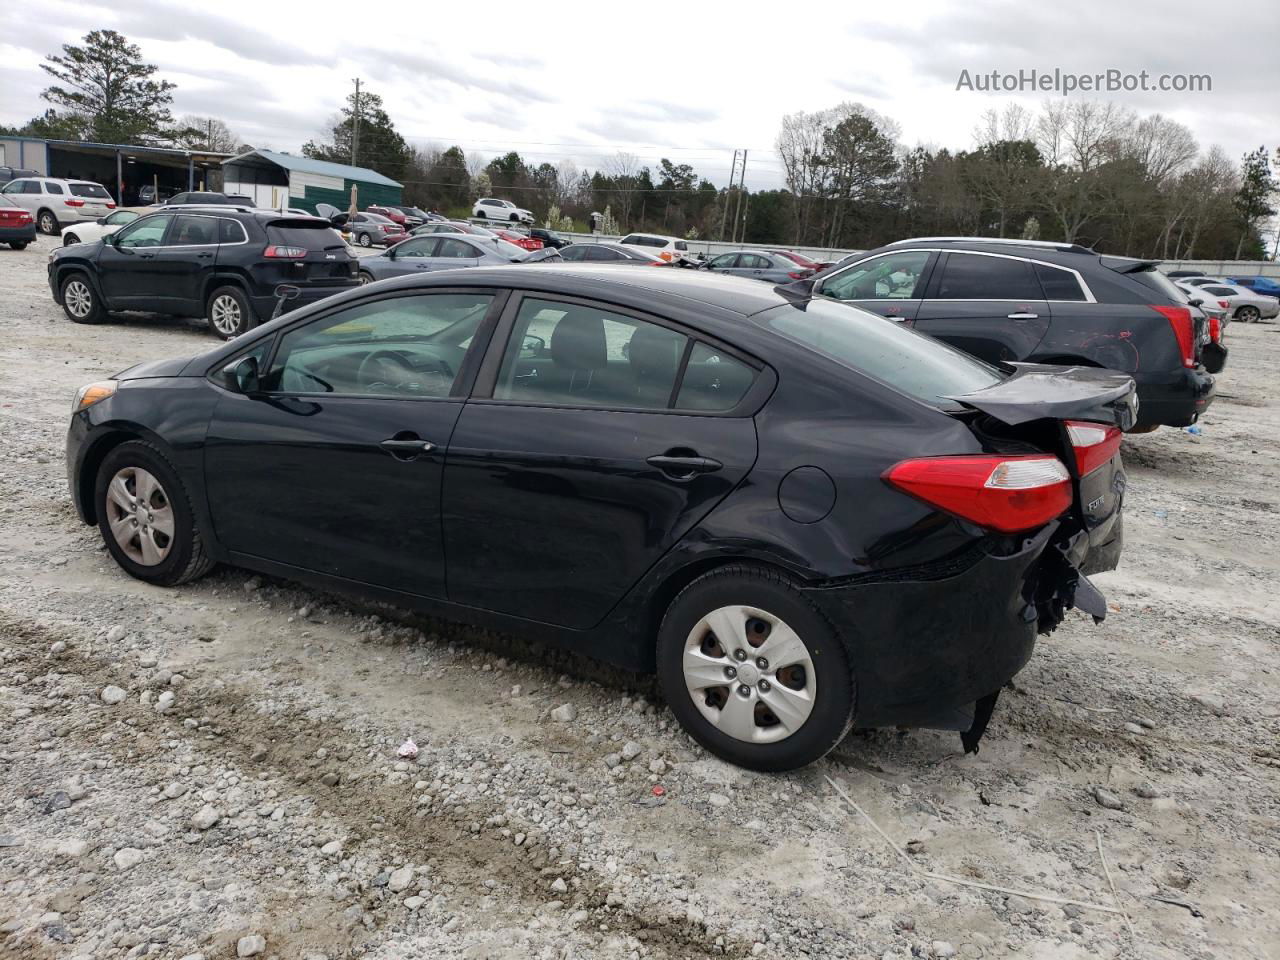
{"x":1127,"y":264}
{"x":1037,"y":391}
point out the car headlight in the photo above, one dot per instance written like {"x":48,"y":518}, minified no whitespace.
{"x":92,"y":393}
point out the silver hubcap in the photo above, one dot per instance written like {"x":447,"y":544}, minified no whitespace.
{"x":224,"y":314}
{"x":364,"y":278}
{"x":1248,"y":314}
{"x":364,"y":240}
{"x":140,"y":516}
{"x":749,"y":674}
{"x":46,"y":223}
{"x":78,"y":299}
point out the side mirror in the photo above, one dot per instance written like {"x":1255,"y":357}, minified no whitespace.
{"x":532,"y":346}
{"x":101,"y":221}
{"x":242,"y":375}
{"x":1195,"y":302}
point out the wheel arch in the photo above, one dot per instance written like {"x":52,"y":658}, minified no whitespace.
{"x":102,"y":444}
{"x":222,"y":278}
{"x":64,"y":270}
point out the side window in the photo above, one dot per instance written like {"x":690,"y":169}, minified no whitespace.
{"x":193,"y":232}
{"x":681,"y":245}
{"x":401,"y":347}
{"x":713,"y":380}
{"x":148,"y":232}
{"x":602,"y":253}
{"x":31,"y":186}
{"x":631,"y":239}
{"x":415,"y":249}
{"x":55,"y":188}
{"x":753,"y":261}
{"x":1059,"y":284}
{"x":573,"y":253}
{"x":967,"y":276}
{"x":895,"y":276}
{"x":121,"y":217}
{"x":561,"y":353}
{"x":454,"y":248}
{"x":231,"y":231}
{"x":725,"y":261}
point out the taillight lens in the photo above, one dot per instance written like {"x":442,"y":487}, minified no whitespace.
{"x":1180,"y":320}
{"x":1094,"y":444}
{"x":111,"y":204}
{"x":1007,"y":494}
{"x":73,"y":202}
{"x":798,"y":274}
{"x":1215,"y":329}
{"x":285,"y":253}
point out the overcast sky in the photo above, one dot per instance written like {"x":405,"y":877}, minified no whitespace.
{"x":558,"y":80}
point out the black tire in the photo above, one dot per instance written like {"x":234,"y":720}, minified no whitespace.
{"x":515,"y":218}
{"x":69,"y":238}
{"x":186,"y":558}
{"x":229,"y":313}
{"x":364,"y":277}
{"x":364,"y":240}
{"x":764,"y":590}
{"x":80,"y":301}
{"x":19,"y":244}
{"x":1248,"y":314}
{"x":47,"y":223}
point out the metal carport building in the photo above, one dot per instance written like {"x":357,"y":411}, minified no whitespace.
{"x":272,"y":178}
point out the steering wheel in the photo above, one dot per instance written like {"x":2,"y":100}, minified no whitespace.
{"x":389,"y":368}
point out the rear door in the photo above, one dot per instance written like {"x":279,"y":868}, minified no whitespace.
{"x":572,"y":469}
{"x":890,"y":284}
{"x":990,"y":305}
{"x":452,"y":252}
{"x":185,"y":260}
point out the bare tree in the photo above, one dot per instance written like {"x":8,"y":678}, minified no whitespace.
{"x":1076,"y":138}
{"x":623,"y":171}
{"x":205,"y":133}
{"x":799,"y":146}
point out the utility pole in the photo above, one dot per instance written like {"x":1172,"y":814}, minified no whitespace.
{"x":742,"y":183}
{"x":208,"y":137}
{"x":724,"y":215}
{"x":355,"y":127}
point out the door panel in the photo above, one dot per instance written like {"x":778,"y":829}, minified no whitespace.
{"x":552,"y":514}
{"x":989,"y":306}
{"x":132,"y":277}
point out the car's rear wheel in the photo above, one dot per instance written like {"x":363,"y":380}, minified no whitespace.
{"x":46,"y":222}
{"x":1247,"y":314}
{"x":754,"y":671}
{"x":145,"y":516}
{"x":229,"y":313}
{"x":515,"y":218}
{"x":79,"y":300}
{"x":19,"y":244}
{"x":364,"y":240}
{"x":69,"y":238}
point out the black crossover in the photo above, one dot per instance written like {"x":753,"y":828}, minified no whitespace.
{"x":801,"y":516}
{"x":1017,"y":300}
{"x":223,"y":263}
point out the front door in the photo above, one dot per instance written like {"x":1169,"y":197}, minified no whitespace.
{"x":335,"y":466}
{"x":890,"y":284}
{"x":132,"y":277}
{"x":409,"y":256}
{"x":579,"y":470}
{"x":989,"y":305}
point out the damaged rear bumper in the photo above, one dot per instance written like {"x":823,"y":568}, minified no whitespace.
{"x":927,"y":645}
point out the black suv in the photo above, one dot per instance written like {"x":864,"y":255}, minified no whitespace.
{"x":204,"y":197}
{"x":223,"y":263}
{"x":1021,"y":300}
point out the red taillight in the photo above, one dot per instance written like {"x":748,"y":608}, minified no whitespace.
{"x":1224,"y":304}
{"x":111,"y":204}
{"x":799,"y":274}
{"x":73,"y":202}
{"x":1180,"y":319}
{"x":285,"y":253}
{"x":1094,"y":444}
{"x":1008,"y":494}
{"x":1215,"y":329}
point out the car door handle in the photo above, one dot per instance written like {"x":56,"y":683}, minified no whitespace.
{"x":407,"y":447}
{"x":1024,"y":316}
{"x":683,"y":466}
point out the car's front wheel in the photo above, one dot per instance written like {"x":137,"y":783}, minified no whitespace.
{"x":754,"y":671}
{"x":364,"y":240}
{"x":481,"y":214}
{"x":80,"y":300}
{"x":69,"y":238}
{"x":145,"y":516}
{"x":229,"y":313}
{"x":362,"y":277}
{"x":1247,"y":314}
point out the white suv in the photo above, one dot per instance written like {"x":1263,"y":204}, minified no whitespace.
{"x":488,"y":208}
{"x":670,"y":249}
{"x":56,"y":202}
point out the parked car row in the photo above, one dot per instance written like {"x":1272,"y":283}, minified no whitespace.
{"x":1236,"y":300}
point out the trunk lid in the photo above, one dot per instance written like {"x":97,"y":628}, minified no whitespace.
{"x":1036,"y":391}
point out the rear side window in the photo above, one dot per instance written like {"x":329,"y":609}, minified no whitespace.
{"x":54,"y":188}
{"x":913,"y":363}
{"x":1220,"y":291}
{"x":230,"y":231}
{"x":456,"y":249}
{"x":713,"y":380}
{"x":94,"y":190}
{"x":1059,"y":284}
{"x":968,"y":276}
{"x":193,"y":232}
{"x":317,"y":236}
{"x":602,"y":253}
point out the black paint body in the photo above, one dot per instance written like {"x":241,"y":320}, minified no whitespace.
{"x":548,"y":520}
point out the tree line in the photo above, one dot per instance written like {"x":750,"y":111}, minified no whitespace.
{"x":1075,"y":171}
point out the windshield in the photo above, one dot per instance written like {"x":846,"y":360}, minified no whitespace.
{"x":915,"y":364}
{"x":93,"y":190}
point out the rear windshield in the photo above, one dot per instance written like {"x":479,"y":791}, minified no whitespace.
{"x":920,"y":366}
{"x":313,"y":236}
{"x":95,"y":190}
{"x":1153,"y":279}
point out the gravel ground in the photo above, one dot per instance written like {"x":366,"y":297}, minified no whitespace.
{"x":183,"y":772}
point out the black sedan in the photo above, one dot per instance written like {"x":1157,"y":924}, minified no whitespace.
{"x":800,"y":515}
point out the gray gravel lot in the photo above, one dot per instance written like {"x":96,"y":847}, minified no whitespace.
{"x":264,"y":798}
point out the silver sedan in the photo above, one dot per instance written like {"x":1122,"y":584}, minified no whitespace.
{"x":1242,"y":303}
{"x":423,"y":252}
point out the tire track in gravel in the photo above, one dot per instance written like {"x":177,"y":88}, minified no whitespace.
{"x":367,"y":807}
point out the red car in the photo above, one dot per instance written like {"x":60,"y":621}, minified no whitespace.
{"x":801,"y":260}
{"x":391,"y":213}
{"x":520,"y":239}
